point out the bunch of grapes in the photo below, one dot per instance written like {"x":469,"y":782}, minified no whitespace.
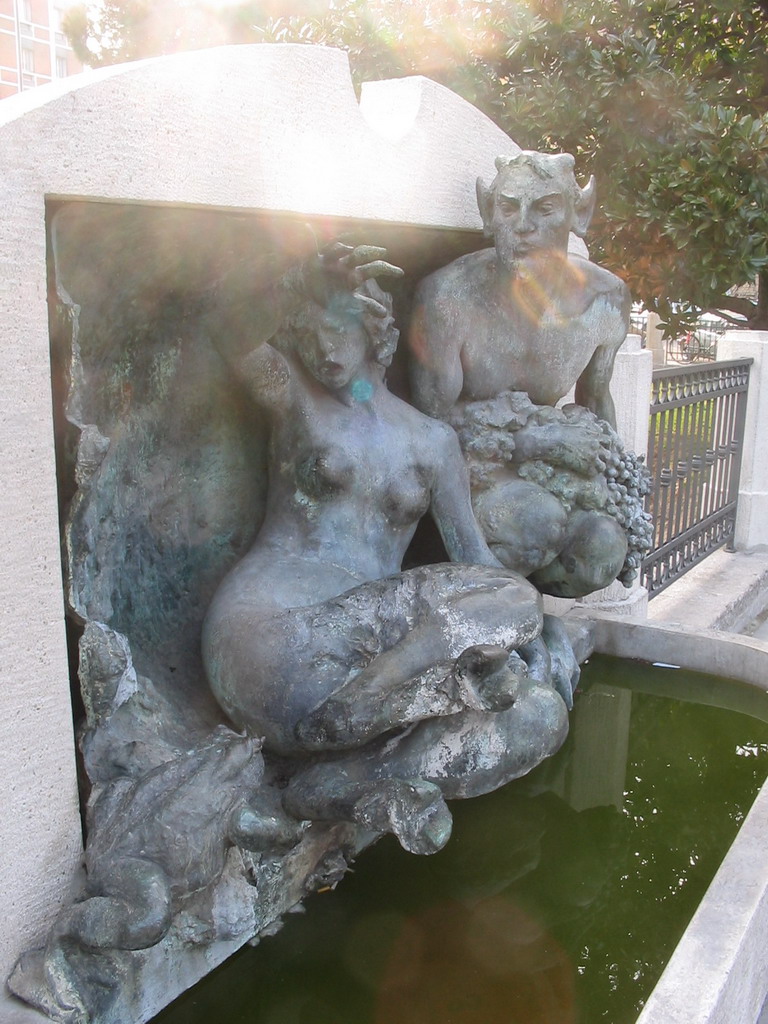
{"x":616,"y":484}
{"x":621,"y":483}
{"x":628,"y":482}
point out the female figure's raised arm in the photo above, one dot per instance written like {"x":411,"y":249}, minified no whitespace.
{"x":243,"y":316}
{"x":451,"y":505}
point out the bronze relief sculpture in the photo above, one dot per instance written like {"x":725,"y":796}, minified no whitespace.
{"x":351,"y":696}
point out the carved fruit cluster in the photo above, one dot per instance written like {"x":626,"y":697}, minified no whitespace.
{"x":611,"y":480}
{"x":628,"y":483}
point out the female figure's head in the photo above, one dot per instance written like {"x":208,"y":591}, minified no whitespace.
{"x":350,"y":336}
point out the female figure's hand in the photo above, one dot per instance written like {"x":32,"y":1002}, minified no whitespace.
{"x":342,"y":266}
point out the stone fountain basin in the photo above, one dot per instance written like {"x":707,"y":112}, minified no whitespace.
{"x":718,"y":973}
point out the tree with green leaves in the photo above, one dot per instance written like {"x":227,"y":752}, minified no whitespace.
{"x":665,"y":101}
{"x":679,"y":150}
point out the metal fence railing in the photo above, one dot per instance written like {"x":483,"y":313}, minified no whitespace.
{"x":638,"y":324}
{"x":694,"y":455}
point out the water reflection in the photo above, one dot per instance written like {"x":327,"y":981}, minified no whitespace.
{"x":492,"y":963}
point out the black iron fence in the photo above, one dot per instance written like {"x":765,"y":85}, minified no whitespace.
{"x":694,"y":454}
{"x":638,"y":324}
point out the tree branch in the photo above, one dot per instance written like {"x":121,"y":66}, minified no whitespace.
{"x":737,"y":321}
{"x":735,"y":304}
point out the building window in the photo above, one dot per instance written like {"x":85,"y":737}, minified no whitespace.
{"x":26,"y":10}
{"x":58,"y":27}
{"x":61,"y":67}
{"x":27,"y":59}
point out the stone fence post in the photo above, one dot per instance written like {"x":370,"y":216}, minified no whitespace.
{"x":654,"y":341}
{"x":631,"y":392}
{"x":752,"y":513}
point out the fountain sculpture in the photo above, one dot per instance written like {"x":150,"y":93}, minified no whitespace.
{"x":352,"y":697}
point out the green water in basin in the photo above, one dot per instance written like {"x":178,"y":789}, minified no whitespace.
{"x":558,"y":899}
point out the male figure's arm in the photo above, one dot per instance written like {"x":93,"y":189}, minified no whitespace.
{"x":593,"y":386}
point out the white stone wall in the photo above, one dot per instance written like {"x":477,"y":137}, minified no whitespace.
{"x":255,"y":127}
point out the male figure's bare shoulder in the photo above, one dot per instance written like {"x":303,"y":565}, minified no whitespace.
{"x":449,"y":304}
{"x":592,"y":287}
{"x":598,"y":280}
{"x":473,"y":280}
{"x":478,"y":271}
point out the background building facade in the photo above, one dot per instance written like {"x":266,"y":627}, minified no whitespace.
{"x":33,"y":47}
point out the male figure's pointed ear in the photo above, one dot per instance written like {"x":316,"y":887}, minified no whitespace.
{"x":584,"y":208}
{"x":485,"y":205}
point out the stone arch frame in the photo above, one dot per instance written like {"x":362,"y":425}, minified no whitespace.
{"x":269,"y":128}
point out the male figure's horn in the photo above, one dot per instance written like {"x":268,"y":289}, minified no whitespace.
{"x":584,"y":208}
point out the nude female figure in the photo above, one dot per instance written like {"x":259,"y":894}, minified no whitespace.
{"x":399,"y":686}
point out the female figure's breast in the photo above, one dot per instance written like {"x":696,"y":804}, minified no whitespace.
{"x":405,"y":497}
{"x":325,"y":472}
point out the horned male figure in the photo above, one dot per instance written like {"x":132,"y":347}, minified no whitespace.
{"x":526,"y":316}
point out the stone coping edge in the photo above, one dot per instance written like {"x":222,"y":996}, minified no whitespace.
{"x":736,"y":584}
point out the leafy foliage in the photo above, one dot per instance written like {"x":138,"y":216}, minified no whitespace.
{"x":665,"y":101}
